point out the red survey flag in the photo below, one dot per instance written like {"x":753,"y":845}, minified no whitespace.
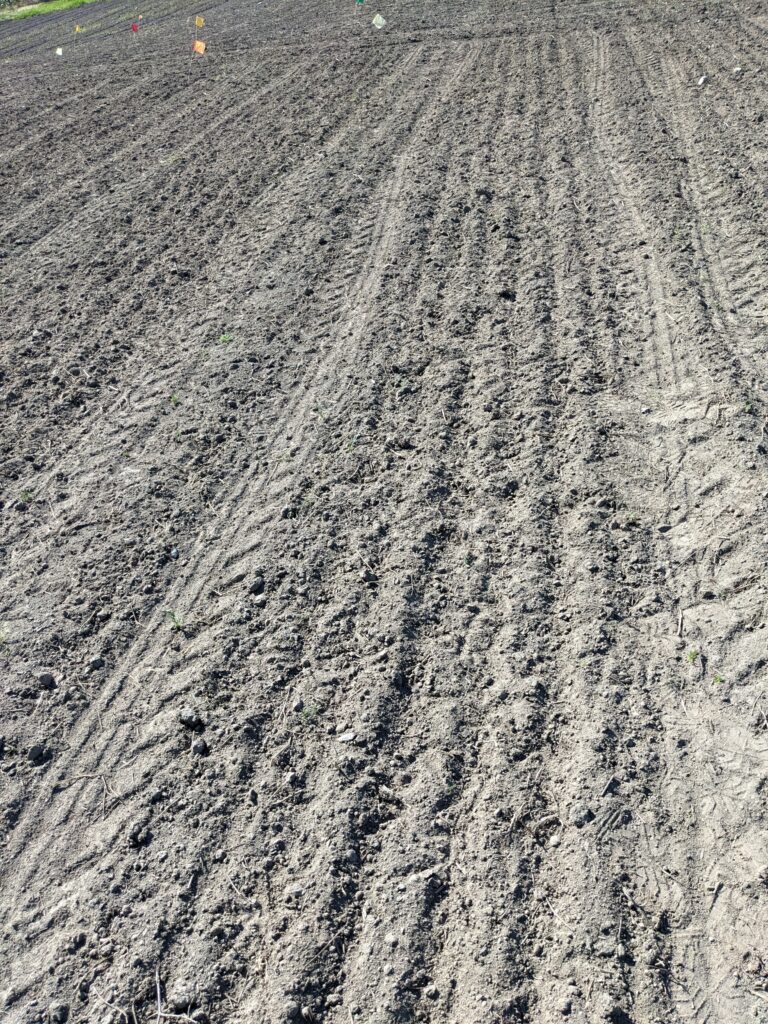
{"x":134,"y":27}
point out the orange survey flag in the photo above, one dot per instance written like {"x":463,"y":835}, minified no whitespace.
{"x":199,"y":46}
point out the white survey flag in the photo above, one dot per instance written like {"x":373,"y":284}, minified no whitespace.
{"x":378,"y":21}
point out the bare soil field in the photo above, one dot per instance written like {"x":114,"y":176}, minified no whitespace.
{"x":383,"y":513}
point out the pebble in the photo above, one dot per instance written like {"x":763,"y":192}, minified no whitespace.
{"x":432,"y":992}
{"x":391,"y":939}
{"x":565,"y":1006}
{"x":199,"y":746}
{"x":174,"y":553}
{"x":291,"y":1011}
{"x":46,"y":680}
{"x":347,"y":737}
{"x":103,"y":614}
{"x":37,"y":753}
{"x":96,"y":663}
{"x":580,"y":815}
{"x":58,"y":1013}
{"x":190,"y":718}
{"x":183,"y":995}
{"x":257,"y":587}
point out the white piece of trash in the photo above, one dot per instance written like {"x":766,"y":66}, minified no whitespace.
{"x":379,"y":22}
{"x":703,"y":80}
{"x":59,"y":52}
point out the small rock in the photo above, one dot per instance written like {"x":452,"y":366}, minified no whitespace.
{"x":580,"y":815}
{"x":174,"y":553}
{"x":183,"y":995}
{"x":291,"y":1011}
{"x":199,"y":746}
{"x":391,"y":939}
{"x":46,"y":680}
{"x":565,"y":1006}
{"x":432,"y":992}
{"x":347,"y":737}
{"x":257,"y":587}
{"x":96,"y":663}
{"x":103,"y":614}
{"x":190,"y":718}
{"x":138,"y":834}
{"x":37,"y":754}
{"x":58,"y":1013}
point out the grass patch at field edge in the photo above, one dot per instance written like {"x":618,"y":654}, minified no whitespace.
{"x":42,"y":8}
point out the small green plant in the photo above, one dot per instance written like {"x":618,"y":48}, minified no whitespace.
{"x":174,"y":400}
{"x":693,"y":657}
{"x":718,"y":680}
{"x":25,"y":497}
{"x":225,"y":339}
{"x":747,"y":407}
{"x":310,"y":714}
{"x":176,"y":621}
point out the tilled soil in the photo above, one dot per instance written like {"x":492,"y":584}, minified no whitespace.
{"x":382,"y":630}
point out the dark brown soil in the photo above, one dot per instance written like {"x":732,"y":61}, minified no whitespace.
{"x":384,"y":528}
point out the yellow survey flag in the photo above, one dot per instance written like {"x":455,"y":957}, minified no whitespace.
{"x":78,"y":29}
{"x":199,"y":46}
{"x":199,"y":22}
